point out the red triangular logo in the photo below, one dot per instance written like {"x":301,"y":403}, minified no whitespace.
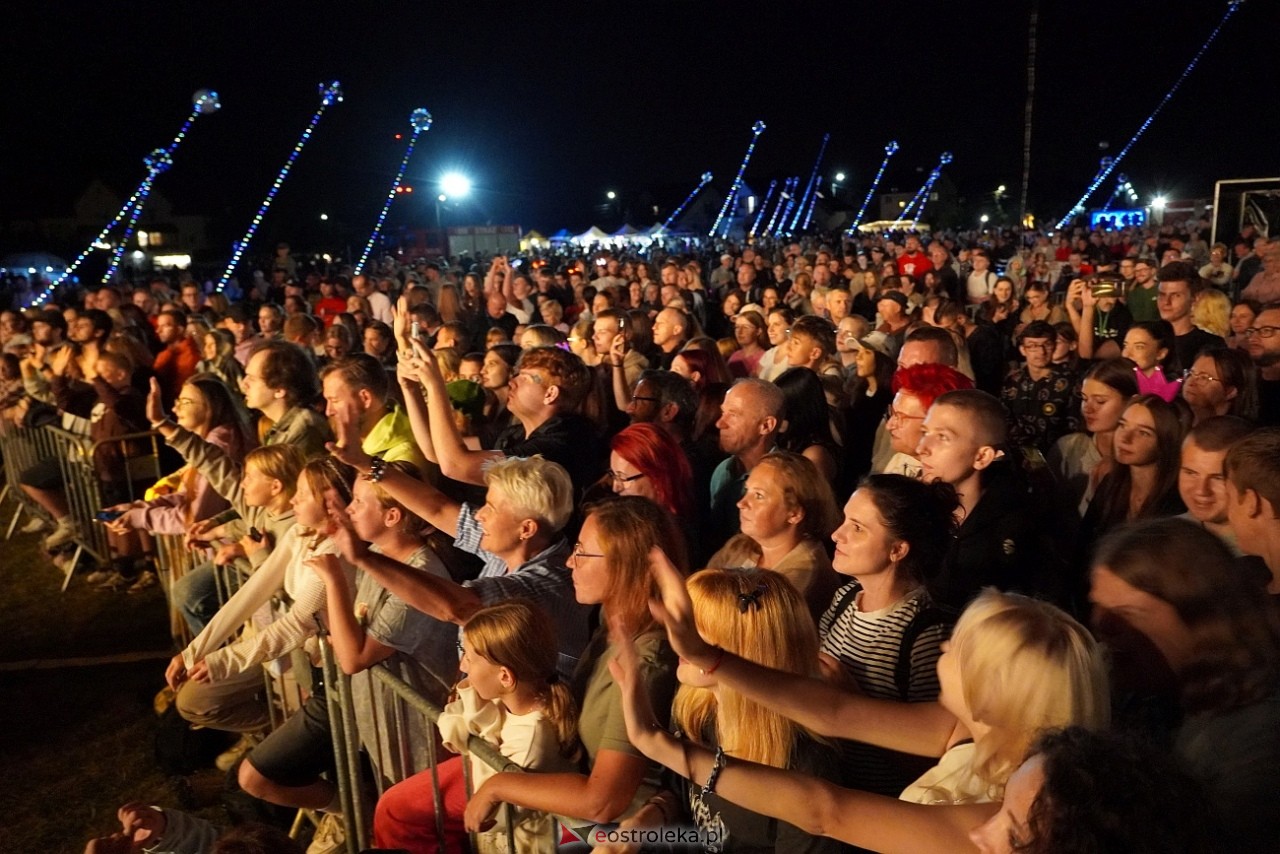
{"x":568,"y":835}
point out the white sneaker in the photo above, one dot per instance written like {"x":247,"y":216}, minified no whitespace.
{"x":64,"y":533}
{"x":35,"y":525}
{"x":330,"y":836}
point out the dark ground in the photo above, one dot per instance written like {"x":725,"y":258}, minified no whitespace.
{"x":76,"y":742}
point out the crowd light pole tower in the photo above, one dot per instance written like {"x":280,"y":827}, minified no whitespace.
{"x":805,"y":209}
{"x":330,"y":93}
{"x":889,"y":150}
{"x":203,"y":103}
{"x":420,"y":123}
{"x":702,"y":182}
{"x":921,"y":198}
{"x":727,"y":207}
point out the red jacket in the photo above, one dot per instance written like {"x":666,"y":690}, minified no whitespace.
{"x":174,"y":365}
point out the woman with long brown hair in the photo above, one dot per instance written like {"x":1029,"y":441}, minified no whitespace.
{"x":610,"y":566}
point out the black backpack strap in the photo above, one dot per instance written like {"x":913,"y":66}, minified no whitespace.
{"x":844,"y":598}
{"x":926,"y":618}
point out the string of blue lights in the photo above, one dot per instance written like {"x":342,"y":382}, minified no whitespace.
{"x":702,"y":182}
{"x":204,"y":102}
{"x":756,"y":130}
{"x":810,"y":187}
{"x":420,"y":122}
{"x":764,"y":206}
{"x":787,"y":205}
{"x":1078,"y":208}
{"x":330,"y":93}
{"x":921,"y":197}
{"x":808,"y":214}
{"x":779,"y":199}
{"x":788,"y":188}
{"x":1123,"y":187}
{"x":889,"y":150}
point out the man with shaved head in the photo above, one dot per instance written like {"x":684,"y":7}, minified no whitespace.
{"x":752,"y":413}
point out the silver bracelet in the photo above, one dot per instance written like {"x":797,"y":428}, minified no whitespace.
{"x":377,"y":468}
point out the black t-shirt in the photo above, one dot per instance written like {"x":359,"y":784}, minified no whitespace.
{"x":1192,"y":343}
{"x":1268,"y":403}
{"x":569,"y":440}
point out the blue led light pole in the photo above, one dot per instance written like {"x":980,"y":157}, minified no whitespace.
{"x":156,"y":162}
{"x":810,"y":188}
{"x":788,"y":188}
{"x":420,"y":122}
{"x":921,"y":198}
{"x":204,"y":102}
{"x":702,"y":182}
{"x":889,"y":150}
{"x":1123,"y":188}
{"x":330,"y":93}
{"x":1078,"y":208}
{"x":756,"y":130}
{"x":788,"y":206}
{"x":764,"y":206}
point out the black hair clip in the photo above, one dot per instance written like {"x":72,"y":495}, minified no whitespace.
{"x":750,"y":600}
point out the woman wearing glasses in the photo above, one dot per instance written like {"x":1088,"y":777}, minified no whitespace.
{"x":645,"y":460}
{"x":1221,"y":381}
{"x":610,"y":566}
{"x":914,"y":391}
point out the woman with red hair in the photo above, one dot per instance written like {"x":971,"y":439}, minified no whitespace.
{"x":701,"y":366}
{"x":645,"y":460}
{"x":914,"y":391}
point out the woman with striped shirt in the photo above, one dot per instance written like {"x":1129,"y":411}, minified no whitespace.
{"x":882,"y":633}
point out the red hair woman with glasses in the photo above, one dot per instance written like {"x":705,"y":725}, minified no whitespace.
{"x":646,"y":460}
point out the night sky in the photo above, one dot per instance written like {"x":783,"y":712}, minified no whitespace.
{"x":547,"y":106}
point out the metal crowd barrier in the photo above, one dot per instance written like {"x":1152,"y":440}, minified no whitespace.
{"x":25,"y":447}
{"x":346,"y":749}
{"x":173,"y":561}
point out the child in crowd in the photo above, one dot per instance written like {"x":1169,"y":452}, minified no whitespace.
{"x":216,"y":685}
{"x":512,"y":696}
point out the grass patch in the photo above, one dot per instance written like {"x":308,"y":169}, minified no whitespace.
{"x":80,"y":743}
{"x":39,"y":621}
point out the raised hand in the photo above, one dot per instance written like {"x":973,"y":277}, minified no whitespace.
{"x":674,"y":609}
{"x":407,"y":369}
{"x":400,"y":322}
{"x":618,"y":349}
{"x":1087,"y":297}
{"x":155,"y":403}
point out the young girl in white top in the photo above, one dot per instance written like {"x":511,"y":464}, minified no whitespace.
{"x":304,"y":591}
{"x":513,"y":697}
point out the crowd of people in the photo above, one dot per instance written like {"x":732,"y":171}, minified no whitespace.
{"x":807,"y":546}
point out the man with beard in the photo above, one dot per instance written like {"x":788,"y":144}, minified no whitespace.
{"x":1263,"y":342}
{"x":360,"y":384}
